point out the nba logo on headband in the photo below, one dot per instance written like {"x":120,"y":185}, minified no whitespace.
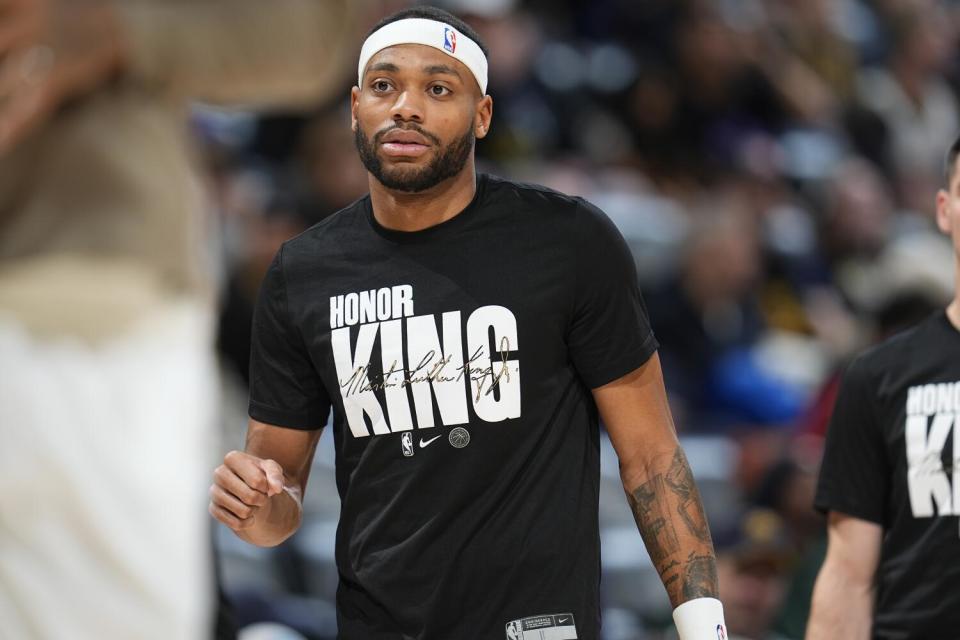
{"x":450,"y":40}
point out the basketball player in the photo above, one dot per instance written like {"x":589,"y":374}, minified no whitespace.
{"x":491,"y":321}
{"x":889,"y":481}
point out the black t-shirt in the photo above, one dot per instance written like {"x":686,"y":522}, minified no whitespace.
{"x":889,"y":459}
{"x":458,"y":361}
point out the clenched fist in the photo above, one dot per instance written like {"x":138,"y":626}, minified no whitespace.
{"x":242,"y":488}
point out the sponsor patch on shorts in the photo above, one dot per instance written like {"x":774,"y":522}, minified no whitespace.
{"x":560,"y":626}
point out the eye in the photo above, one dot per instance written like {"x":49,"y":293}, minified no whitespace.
{"x":380,"y":86}
{"x":439,"y":90}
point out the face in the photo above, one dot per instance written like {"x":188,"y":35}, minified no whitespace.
{"x":416,"y":116}
{"x":751,"y":595}
{"x":948,"y":209}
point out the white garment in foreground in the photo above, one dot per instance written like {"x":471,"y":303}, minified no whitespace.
{"x":105,"y":460}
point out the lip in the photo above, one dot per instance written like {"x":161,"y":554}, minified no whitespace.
{"x":404,"y":136}
{"x":404,"y":143}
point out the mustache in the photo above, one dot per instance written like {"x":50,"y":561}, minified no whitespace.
{"x":378,"y":136}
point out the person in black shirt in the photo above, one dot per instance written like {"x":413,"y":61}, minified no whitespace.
{"x":890,"y":481}
{"x":466,"y":331}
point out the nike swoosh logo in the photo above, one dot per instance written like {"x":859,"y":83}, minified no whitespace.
{"x":426,"y":443}
{"x":562,"y":620}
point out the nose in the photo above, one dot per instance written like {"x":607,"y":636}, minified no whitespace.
{"x":408,"y":107}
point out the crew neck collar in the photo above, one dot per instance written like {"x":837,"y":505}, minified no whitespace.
{"x":436,"y":231}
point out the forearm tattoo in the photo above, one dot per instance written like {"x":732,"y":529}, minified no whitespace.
{"x":690,"y":507}
{"x":699,"y":577}
{"x":681,"y":553}
{"x":651,"y":512}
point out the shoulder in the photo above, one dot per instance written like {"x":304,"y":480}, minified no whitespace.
{"x":538,"y":200}
{"x":901,"y":345}
{"x":874,"y":364}
{"x":498,"y":187}
{"x":532,"y":197}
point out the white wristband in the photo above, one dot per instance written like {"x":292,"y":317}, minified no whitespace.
{"x":700,"y":619}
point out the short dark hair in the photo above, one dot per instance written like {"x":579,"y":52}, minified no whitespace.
{"x":950,"y":163}
{"x":433,"y":13}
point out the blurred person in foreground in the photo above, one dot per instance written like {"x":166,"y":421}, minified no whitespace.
{"x":106,"y":367}
{"x":889,"y":482}
{"x":466,"y":331}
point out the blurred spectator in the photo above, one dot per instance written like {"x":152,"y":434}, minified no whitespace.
{"x":788,"y":490}
{"x":910,"y":94}
{"x":331,"y":178}
{"x":821,"y":58}
{"x":706,"y":100}
{"x":710,"y":308}
{"x":261,"y":232}
{"x":753,"y":561}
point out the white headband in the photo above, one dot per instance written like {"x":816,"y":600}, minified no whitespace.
{"x":433,"y":34}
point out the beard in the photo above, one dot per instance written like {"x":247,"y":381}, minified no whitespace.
{"x":446,"y":164}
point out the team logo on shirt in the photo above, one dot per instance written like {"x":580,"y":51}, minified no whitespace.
{"x":459,"y":438}
{"x":932,"y":411}
{"x":445,"y":363}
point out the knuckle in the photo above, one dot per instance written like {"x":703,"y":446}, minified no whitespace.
{"x":250,"y":497}
{"x":230,"y":521}
{"x":218,"y":515}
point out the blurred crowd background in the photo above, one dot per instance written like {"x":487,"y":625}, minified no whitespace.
{"x":773,"y":166}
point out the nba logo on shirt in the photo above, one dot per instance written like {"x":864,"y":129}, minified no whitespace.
{"x":450,"y":40}
{"x":406,"y":441}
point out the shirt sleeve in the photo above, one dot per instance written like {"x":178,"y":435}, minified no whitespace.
{"x":285,"y":389}
{"x":855,"y":472}
{"x":609,"y":334}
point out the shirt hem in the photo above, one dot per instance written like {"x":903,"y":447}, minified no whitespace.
{"x":860,"y":514}
{"x":279,"y":418}
{"x":624,"y":365}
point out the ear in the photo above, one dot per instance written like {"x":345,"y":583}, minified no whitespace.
{"x":354,"y":100}
{"x":944,"y":206}
{"x":481,"y":122}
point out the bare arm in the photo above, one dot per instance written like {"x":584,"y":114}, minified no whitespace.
{"x":259,"y":492}
{"x":658,"y":482}
{"x":843,"y":594}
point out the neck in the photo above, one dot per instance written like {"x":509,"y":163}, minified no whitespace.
{"x":402,"y":211}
